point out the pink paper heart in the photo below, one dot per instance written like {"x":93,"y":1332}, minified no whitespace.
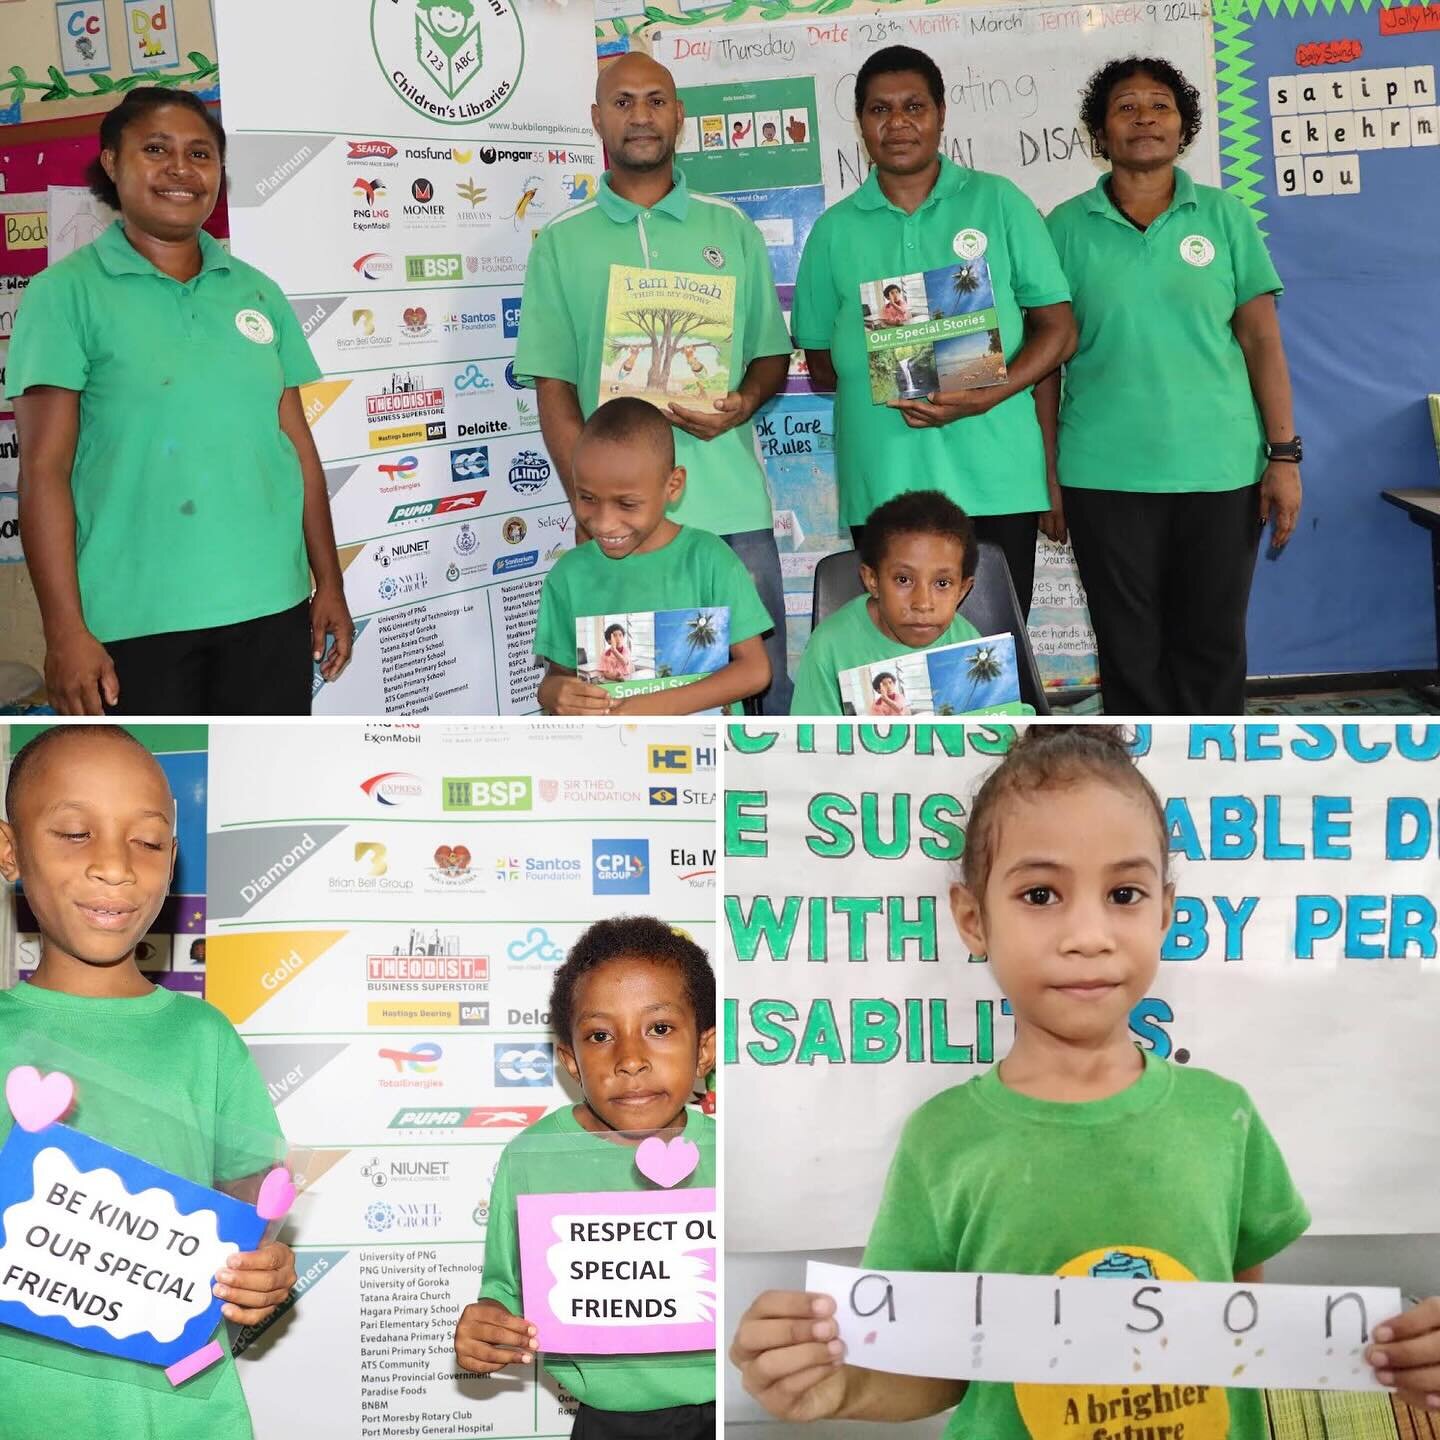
{"x":36,"y":1102}
{"x":667,"y":1163}
{"x":277,"y":1195}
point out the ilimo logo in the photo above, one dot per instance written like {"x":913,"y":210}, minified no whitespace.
{"x":445,"y":60}
{"x":425,"y":269}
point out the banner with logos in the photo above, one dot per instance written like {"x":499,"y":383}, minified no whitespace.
{"x":394,"y":196}
{"x":388,"y":905}
{"x":1303,"y":960}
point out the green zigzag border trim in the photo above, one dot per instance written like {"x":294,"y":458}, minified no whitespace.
{"x":1239,"y":131}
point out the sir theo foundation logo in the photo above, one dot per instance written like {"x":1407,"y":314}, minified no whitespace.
{"x":454,"y":60}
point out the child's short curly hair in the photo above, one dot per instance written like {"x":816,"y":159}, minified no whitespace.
{"x":640,"y":937}
{"x":1046,"y":757}
{"x":1095,"y":98}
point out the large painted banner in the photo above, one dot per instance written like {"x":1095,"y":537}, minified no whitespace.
{"x":388,"y":906}
{"x":1303,"y":961}
{"x":394,"y":195}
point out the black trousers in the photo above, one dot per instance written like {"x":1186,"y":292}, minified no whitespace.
{"x":1168,"y":579}
{"x":1015,"y":535}
{"x":675,"y":1422}
{"x":255,"y":667}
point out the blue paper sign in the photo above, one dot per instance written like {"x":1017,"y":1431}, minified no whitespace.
{"x":109,"y":1253}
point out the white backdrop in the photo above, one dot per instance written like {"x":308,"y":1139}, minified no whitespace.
{"x":401,"y":231}
{"x":388,"y":905}
{"x":852,"y":999}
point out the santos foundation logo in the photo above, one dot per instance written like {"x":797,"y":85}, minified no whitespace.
{"x":454,"y":60}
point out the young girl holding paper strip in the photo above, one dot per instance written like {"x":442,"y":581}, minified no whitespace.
{"x":1078,"y":1154}
{"x":91,"y":832}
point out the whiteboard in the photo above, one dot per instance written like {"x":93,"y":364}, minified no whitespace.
{"x":1013,"y":77}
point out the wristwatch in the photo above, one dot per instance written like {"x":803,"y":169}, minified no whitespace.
{"x":1284,"y":450}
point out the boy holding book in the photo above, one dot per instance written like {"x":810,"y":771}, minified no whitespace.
{"x":917,"y":558}
{"x":637,"y":560}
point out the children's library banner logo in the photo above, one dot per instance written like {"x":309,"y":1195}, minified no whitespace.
{"x":448,"y":59}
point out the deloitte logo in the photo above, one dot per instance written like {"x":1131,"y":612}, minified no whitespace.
{"x":451,"y":60}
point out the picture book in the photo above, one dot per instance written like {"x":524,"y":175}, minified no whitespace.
{"x":645,"y":651}
{"x":932,"y":333}
{"x":667,"y":336}
{"x":973,"y":677}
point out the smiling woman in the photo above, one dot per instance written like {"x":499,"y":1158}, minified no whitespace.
{"x":173,"y":503}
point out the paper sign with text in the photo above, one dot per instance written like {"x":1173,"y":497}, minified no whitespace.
{"x":1058,"y":1330}
{"x":108,"y":1253}
{"x":620,"y":1272}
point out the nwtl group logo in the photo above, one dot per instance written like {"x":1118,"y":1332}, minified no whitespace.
{"x":527,"y":1066}
{"x":620,"y":867}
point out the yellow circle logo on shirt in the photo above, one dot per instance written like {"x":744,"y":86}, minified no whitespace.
{"x":1196,"y":250}
{"x":255,"y":326}
{"x":970,"y":244}
{"x":1109,"y":1412}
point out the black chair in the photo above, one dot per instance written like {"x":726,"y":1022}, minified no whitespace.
{"x":991,"y":607}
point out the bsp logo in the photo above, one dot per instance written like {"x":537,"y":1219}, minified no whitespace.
{"x":510,"y":316}
{"x":529,"y":1066}
{"x":488,"y":792}
{"x":620,"y":867}
{"x":433,"y":52}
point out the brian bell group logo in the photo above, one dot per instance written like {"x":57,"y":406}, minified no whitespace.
{"x":452,"y":60}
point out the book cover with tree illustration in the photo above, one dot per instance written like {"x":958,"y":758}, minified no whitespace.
{"x":640,"y":652}
{"x":973,"y":677}
{"x":667,"y":336}
{"x":929,"y":333}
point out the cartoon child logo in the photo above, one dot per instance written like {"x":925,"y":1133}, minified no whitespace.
{"x":431,"y":51}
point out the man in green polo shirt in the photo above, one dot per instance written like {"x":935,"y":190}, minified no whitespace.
{"x":644,"y":215}
{"x":916,"y":212}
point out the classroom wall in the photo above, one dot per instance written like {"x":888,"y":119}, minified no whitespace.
{"x":1410,"y":1261}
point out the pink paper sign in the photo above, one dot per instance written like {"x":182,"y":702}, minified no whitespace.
{"x":620,"y":1272}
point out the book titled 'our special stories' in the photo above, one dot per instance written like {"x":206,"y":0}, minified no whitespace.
{"x":929,"y":333}
{"x":644,"y":651}
{"x":973,"y":677}
{"x":667,"y":336}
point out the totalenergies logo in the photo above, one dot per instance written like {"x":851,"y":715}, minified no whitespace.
{"x":422,"y":1059}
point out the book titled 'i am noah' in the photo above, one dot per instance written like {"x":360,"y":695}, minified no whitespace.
{"x":934,"y":332}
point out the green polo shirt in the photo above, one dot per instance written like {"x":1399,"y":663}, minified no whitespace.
{"x":562,"y":325}
{"x":1157,"y":396}
{"x":992,"y":464}
{"x":188,"y":495}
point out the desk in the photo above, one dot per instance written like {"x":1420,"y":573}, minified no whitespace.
{"x":1423,"y":507}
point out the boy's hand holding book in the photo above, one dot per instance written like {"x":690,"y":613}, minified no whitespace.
{"x":730,"y":410}
{"x":569,"y":695}
{"x":489,"y":1337}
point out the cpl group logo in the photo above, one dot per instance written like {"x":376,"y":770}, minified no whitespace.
{"x":510,"y":316}
{"x":446,"y":62}
{"x":528,"y":1066}
{"x":620,"y":867}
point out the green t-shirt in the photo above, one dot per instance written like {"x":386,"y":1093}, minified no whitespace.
{"x":164,"y":1077}
{"x":1157,"y":396}
{"x":992,"y":464}
{"x":556,"y":1156}
{"x":695,"y":568}
{"x":844,"y":640}
{"x":562,"y":325}
{"x":188,"y":495}
{"x":1174,"y":1178}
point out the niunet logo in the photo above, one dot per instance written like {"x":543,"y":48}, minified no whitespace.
{"x":453,"y":61}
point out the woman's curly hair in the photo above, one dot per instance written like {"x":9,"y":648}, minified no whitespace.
{"x":1095,"y":98}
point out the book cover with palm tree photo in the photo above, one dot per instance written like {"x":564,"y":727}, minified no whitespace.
{"x":639,"y":652}
{"x":973,"y":677}
{"x":667,"y":336}
{"x":935,"y":332}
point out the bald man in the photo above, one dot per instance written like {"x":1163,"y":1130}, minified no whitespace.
{"x":644,"y":215}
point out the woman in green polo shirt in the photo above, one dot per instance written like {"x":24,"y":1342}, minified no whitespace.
{"x":1176,"y":439}
{"x":170,"y":493}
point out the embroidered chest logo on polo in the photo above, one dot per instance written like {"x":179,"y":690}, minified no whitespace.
{"x":254,"y":326}
{"x":970,"y":244}
{"x":1196,"y":250}
{"x":714,"y":257}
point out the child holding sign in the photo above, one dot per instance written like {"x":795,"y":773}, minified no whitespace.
{"x":91,"y":832}
{"x":917,"y":560}
{"x":639,"y":560}
{"x":1078,"y":1154}
{"x":633,"y":1010}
